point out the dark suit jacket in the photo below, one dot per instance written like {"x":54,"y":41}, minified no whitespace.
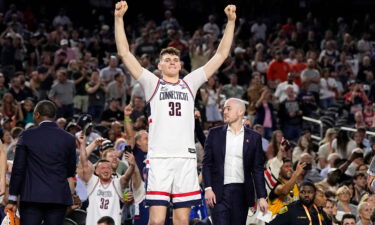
{"x":253,"y":162}
{"x":45,"y":158}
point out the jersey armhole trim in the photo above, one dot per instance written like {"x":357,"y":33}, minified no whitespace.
{"x":189,"y":89}
{"x":153,"y":94}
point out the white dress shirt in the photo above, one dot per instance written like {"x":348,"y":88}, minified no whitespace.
{"x":233,"y":164}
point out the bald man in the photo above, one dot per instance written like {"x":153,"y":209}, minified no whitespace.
{"x":231,"y":189}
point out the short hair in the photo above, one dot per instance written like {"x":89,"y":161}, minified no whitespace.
{"x":107,"y":220}
{"x":46,"y":108}
{"x":139,"y":134}
{"x":357,"y":175}
{"x":16,"y":131}
{"x":239,"y":102}
{"x":170,"y":51}
{"x":348,"y":216}
{"x":308,"y":183}
{"x":360,"y":206}
{"x":105,"y":153}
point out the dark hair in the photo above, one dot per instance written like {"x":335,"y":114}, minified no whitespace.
{"x":46,"y":108}
{"x":171,"y":51}
{"x":342,"y":141}
{"x":348,"y":216}
{"x":358,"y":175}
{"x":15,"y":132}
{"x":100,"y":161}
{"x":308,"y":183}
{"x":117,"y":75}
{"x":107,"y":220}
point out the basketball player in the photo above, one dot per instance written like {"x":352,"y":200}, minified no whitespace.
{"x":172,"y":156}
{"x":104,"y":192}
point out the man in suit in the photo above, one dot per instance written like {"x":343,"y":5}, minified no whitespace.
{"x":45,"y":159}
{"x":233,"y":172}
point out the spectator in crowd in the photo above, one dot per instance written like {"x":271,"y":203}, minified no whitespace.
{"x":106,"y":220}
{"x":280,"y":92}
{"x":253,"y":94}
{"x":331,"y":210}
{"x":364,"y":213}
{"x":118,"y":89}
{"x":360,"y":187}
{"x":107,"y":74}
{"x":277,"y":71}
{"x":325,"y":148}
{"x":311,"y":78}
{"x":112,"y":113}
{"x":264,"y":113}
{"x":286,"y":184}
{"x":290,"y":113}
{"x":79,"y":77}
{"x":343,"y":196}
{"x":233,"y":90}
{"x":211,"y":27}
{"x":328,"y":89}
{"x":105,"y":192}
{"x":302,"y":209}
{"x":96,"y":90}
{"x":64,"y":54}
{"x":211,"y":99}
{"x":348,"y":219}
{"x":62,"y":94}
{"x":343,"y":144}
{"x":274,"y":145}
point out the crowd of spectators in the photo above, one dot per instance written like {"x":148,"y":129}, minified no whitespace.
{"x":284,"y":71}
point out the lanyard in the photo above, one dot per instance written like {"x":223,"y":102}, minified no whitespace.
{"x":308,"y":214}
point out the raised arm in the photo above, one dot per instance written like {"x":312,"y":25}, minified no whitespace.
{"x":122,"y":44}
{"x":222,"y":51}
{"x":3,"y":167}
{"x":124,"y":180}
{"x":87,"y":169}
{"x":129,"y":130}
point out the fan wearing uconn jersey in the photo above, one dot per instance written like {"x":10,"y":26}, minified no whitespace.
{"x":172,"y":156}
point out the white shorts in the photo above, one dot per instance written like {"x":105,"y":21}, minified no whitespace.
{"x":173,"y":180}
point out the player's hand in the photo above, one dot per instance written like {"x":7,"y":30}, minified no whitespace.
{"x":210,"y":198}
{"x":121,"y":8}
{"x":130,"y":158}
{"x":11,"y":207}
{"x":128,"y":110}
{"x":263,"y":205}
{"x":230,"y":11}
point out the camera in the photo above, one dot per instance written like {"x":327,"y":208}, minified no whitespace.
{"x":286,"y":144}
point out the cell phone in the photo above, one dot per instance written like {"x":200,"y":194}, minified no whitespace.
{"x":286,"y":144}
{"x":308,"y":166}
{"x":128,"y":149}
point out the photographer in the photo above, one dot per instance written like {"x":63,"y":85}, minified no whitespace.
{"x":310,"y":173}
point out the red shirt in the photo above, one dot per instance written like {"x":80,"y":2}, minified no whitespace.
{"x":278,"y":71}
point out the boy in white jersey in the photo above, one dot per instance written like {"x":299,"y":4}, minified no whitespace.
{"x":172,"y":158}
{"x":104,"y":192}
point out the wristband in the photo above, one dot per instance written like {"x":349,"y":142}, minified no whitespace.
{"x":127,"y":120}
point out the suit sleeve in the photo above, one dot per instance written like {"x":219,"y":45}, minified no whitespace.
{"x":258,"y":169}
{"x":72,"y":158}
{"x":19,"y":167}
{"x":207,"y":160}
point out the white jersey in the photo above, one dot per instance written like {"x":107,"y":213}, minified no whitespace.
{"x":171,"y":114}
{"x":104,"y":200}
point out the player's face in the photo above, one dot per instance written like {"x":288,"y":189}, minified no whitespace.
{"x":170,"y":65}
{"x":104,"y":171}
